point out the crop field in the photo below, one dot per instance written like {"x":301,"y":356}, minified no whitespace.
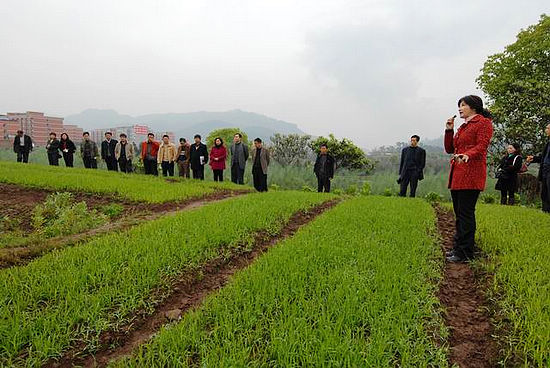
{"x":213,"y":275}
{"x":346,"y":290}
{"x":131,"y":187}
{"x":517,"y":243}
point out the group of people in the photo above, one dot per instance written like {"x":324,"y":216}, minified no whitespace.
{"x":118,"y":155}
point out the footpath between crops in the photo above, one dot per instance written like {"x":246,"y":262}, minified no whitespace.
{"x":187,"y":292}
{"x":461,"y":293}
{"x":20,"y":201}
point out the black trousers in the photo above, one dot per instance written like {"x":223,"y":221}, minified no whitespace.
{"x":125,"y":165}
{"x":410,"y":177}
{"x":260,"y":179}
{"x":237,"y":174}
{"x":507,"y":197}
{"x":218,"y":175}
{"x":198,"y":172}
{"x":150,"y":167}
{"x":167,"y":168}
{"x":545,"y":194}
{"x":464,"y":206}
{"x":89,"y":162}
{"x":323,"y":184}
{"x":23,"y":156}
{"x":111,"y":163}
{"x":68,"y":157}
{"x":53,"y":158}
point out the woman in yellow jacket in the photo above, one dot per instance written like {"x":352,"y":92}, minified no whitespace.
{"x":167,"y":155}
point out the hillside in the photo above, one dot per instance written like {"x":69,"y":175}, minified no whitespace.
{"x":188,"y":124}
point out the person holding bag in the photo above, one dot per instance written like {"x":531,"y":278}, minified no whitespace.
{"x":507,"y":174}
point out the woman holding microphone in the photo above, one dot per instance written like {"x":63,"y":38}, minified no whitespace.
{"x":468,"y":170}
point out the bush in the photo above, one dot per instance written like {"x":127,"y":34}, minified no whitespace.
{"x":59,"y":215}
{"x":488,"y":199}
{"x":307,"y":188}
{"x":387,"y":192}
{"x":351,"y":190}
{"x":366,"y":189}
{"x":112,"y":210}
{"x":433,"y":197}
{"x":338,"y":191}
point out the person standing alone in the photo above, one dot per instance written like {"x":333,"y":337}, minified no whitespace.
{"x":167,"y":156}
{"x":324,"y":169}
{"x":149,"y":152}
{"x":411,"y":167}
{"x":22,"y":145}
{"x":468,"y":172}
{"x":108,"y":152}
{"x":260,"y":159}
{"x":239,"y":156}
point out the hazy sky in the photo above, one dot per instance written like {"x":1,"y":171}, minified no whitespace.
{"x":374,"y":71}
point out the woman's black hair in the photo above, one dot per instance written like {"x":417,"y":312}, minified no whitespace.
{"x":517,"y":147}
{"x":64,"y":134}
{"x":221,"y":141}
{"x":475,"y":103}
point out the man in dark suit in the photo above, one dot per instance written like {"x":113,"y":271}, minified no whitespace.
{"x":108,"y":152}
{"x":544,"y":172}
{"x":22,"y":145}
{"x":411,"y":167}
{"x":199,"y":158}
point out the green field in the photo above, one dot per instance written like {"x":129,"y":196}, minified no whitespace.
{"x":127,"y":186}
{"x":346,"y":290}
{"x":517,"y":243}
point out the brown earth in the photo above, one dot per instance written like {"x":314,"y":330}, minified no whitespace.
{"x":462,"y":295}
{"x":18,"y":202}
{"x":187,"y":292}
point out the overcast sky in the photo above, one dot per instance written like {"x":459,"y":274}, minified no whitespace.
{"x":373,"y":71}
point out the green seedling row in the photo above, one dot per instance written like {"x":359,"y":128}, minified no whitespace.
{"x":354,"y":288}
{"x":517,"y":243}
{"x":128,"y":186}
{"x":73,"y":295}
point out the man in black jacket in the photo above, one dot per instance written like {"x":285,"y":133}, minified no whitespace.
{"x":22,"y":145}
{"x":52,"y":146}
{"x":544,"y":172}
{"x":324,"y":169}
{"x":108,"y":152}
{"x":411,"y":167}
{"x":199,"y":158}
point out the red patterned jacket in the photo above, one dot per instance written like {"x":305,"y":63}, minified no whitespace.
{"x":472,"y":139}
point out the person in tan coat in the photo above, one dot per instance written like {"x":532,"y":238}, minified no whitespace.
{"x":124,"y":154}
{"x":183,"y":156}
{"x":167,"y":155}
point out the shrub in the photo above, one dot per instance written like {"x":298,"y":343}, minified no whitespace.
{"x":366,"y":188}
{"x":112,"y":210}
{"x":488,"y":199}
{"x":433,"y":197}
{"x":387,"y":192}
{"x":351,"y":190}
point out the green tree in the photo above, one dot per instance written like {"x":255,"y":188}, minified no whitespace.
{"x":346,"y":153}
{"x":226,"y":134}
{"x":517,"y":83}
{"x":291,"y":149}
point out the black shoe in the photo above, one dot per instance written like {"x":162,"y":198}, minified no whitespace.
{"x":456,"y":259}
{"x":450,"y":253}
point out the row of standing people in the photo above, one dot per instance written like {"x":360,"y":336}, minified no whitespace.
{"x":119,"y":155}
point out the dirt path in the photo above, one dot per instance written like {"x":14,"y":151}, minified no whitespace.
{"x":187,"y":292}
{"x":462,"y":296}
{"x":135,"y":213}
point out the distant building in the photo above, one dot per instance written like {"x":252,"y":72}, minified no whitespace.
{"x":36,"y":125}
{"x":136,"y":133}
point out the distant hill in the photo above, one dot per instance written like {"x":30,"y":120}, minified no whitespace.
{"x":188,"y":124}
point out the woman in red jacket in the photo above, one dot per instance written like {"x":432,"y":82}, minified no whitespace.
{"x":468,"y":170}
{"x":218,"y":154}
